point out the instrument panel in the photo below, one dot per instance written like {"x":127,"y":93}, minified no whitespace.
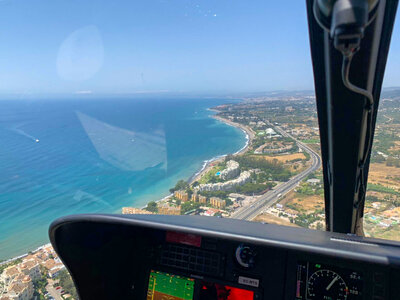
{"x":242,"y":277}
{"x":179,"y":258}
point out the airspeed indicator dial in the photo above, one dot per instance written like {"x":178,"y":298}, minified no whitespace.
{"x":327,"y":285}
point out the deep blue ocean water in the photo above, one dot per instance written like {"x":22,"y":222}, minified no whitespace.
{"x":64,"y":157}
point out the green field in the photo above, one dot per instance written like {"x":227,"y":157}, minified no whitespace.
{"x":382,"y":189}
{"x":211,"y":174}
{"x":310,"y":141}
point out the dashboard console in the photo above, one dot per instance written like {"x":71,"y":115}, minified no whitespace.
{"x":153,"y":257}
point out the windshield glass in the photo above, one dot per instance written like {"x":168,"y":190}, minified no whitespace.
{"x":382,"y":209}
{"x":169,"y":107}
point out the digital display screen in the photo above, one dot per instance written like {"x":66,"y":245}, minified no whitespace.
{"x":165,"y":286}
{"x":319,"y":281}
{"x":214,"y":291}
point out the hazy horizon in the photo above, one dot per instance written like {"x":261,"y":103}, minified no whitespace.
{"x":162,"y":95}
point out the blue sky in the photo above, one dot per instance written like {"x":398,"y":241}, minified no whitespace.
{"x":119,"y":47}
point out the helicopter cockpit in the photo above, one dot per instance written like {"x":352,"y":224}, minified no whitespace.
{"x":191,"y":258}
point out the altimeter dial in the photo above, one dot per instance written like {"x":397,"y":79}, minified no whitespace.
{"x":327,"y":285}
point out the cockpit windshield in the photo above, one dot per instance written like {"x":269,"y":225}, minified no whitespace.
{"x":166,"y":107}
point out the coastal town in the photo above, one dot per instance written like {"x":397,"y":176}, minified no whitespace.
{"x":279,"y":127}
{"x":276,"y":178}
{"x":40,"y":274}
{"x":274,"y":154}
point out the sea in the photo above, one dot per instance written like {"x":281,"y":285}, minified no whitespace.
{"x":62,"y":157}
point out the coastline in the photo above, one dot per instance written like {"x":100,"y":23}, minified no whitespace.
{"x":207,"y":165}
{"x":250,"y":134}
{"x":7,"y":261}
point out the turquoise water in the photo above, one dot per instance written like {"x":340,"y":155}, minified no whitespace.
{"x":65,"y":157}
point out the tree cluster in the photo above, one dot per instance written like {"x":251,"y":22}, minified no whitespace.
{"x":180,"y":185}
{"x":152,"y":207}
{"x":273,"y":169}
{"x":67,"y":283}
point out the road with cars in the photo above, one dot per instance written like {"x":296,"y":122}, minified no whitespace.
{"x":53,"y":292}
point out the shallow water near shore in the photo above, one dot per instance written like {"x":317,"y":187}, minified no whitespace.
{"x":95,"y":156}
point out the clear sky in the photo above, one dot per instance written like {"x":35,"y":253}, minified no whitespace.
{"x":218,"y":46}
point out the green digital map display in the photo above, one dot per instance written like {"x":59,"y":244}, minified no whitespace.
{"x":164,"y":286}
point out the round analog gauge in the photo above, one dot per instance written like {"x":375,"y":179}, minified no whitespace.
{"x":245,"y":256}
{"x":327,"y":285}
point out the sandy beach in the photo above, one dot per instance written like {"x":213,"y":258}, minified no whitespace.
{"x":210,"y":163}
{"x":250,"y":134}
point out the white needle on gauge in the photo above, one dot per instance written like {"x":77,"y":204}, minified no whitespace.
{"x":332,"y":282}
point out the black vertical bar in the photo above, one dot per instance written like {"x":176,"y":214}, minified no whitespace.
{"x":340,"y":113}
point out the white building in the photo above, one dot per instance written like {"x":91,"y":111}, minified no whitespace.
{"x":9,"y":274}
{"x":31,"y":268}
{"x":21,"y":289}
{"x":225,"y":186}
{"x":231,"y":171}
{"x":270,"y":131}
{"x":314,"y":181}
{"x":17,"y":279}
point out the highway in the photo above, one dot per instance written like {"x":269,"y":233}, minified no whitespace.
{"x":270,"y":197}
